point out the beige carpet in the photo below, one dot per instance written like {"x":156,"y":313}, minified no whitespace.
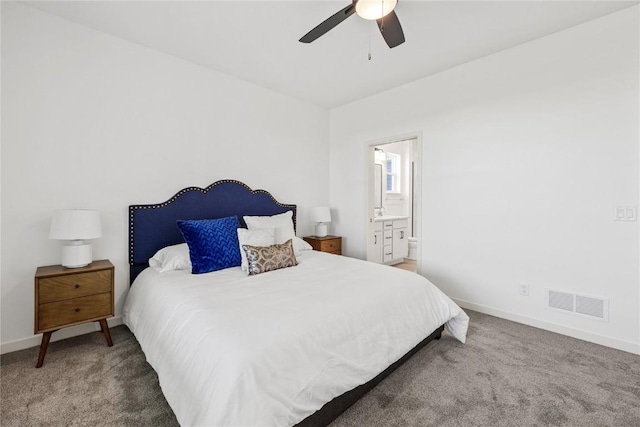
{"x":506,"y":375}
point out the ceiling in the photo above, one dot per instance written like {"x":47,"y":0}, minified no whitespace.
{"x":257,"y":41}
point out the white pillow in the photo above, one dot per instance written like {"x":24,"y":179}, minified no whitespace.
{"x":174,"y":257}
{"x":282,"y":225}
{"x":254,"y":237}
{"x":300,"y":245}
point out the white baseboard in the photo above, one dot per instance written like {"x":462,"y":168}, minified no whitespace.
{"x":548,"y":326}
{"x":62,"y":334}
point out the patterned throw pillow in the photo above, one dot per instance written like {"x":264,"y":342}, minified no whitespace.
{"x":213,"y":243}
{"x":268,"y":258}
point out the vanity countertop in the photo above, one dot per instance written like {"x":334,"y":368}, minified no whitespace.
{"x":389,"y":217}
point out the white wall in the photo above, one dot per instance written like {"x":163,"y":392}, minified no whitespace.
{"x":525,"y":154}
{"x":92,"y":121}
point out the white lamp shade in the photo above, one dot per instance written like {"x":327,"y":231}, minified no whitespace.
{"x":320,"y":214}
{"x":75,"y":224}
{"x":374,"y":9}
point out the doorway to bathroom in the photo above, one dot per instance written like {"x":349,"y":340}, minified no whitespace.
{"x":393,"y":208}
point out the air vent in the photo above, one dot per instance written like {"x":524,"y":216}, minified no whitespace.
{"x":583,"y":305}
{"x":590,"y":306}
{"x":561,"y":300}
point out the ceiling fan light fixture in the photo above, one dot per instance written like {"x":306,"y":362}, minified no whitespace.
{"x":378,"y":10}
{"x":374,"y":9}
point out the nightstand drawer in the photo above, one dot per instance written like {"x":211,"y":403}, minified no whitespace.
{"x":332,"y":246}
{"x":70,"y":311}
{"x":328,"y":244}
{"x":61,"y":288}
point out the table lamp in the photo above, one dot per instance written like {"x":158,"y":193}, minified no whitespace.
{"x":321,"y":215}
{"x":74,"y":226}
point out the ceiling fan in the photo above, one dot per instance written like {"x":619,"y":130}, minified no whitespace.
{"x":379,"y":10}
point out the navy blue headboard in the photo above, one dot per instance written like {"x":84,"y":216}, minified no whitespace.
{"x":152,"y":227}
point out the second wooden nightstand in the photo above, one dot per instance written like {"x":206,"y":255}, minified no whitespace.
{"x":71,"y":296}
{"x":330,"y":244}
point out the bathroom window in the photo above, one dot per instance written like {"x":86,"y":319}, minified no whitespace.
{"x":393,"y":173}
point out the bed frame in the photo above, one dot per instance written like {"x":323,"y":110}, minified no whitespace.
{"x":152,"y":227}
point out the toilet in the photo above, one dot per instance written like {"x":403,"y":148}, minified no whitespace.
{"x":413,"y":248}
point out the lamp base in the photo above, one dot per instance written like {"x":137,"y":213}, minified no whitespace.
{"x":321,"y":230}
{"x":76,"y":254}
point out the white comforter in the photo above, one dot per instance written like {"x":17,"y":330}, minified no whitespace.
{"x":271,"y":349}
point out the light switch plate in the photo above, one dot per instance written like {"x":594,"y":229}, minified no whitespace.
{"x":625,"y":213}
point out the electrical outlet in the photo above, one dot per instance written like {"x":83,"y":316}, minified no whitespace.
{"x":523,"y":289}
{"x":625,"y":213}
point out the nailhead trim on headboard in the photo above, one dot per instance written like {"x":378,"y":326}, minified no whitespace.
{"x":133,"y":208}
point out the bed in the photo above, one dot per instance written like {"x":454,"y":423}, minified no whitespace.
{"x":294,"y":346}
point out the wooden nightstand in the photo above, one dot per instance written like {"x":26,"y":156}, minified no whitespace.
{"x":71,"y":296}
{"x":330,"y":244}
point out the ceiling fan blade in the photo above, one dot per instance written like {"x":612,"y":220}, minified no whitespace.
{"x":391,"y":29}
{"x":328,"y":24}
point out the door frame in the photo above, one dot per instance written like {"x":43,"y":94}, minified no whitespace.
{"x":369,"y":198}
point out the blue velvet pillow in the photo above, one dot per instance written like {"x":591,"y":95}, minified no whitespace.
{"x":213,"y":243}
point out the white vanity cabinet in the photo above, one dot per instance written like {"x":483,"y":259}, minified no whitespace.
{"x":391,"y":239}
{"x":387,"y":249}
{"x":377,"y":242}
{"x":400,"y":239}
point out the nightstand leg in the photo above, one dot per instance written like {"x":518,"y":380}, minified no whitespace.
{"x":105,"y":331}
{"x":43,"y":348}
